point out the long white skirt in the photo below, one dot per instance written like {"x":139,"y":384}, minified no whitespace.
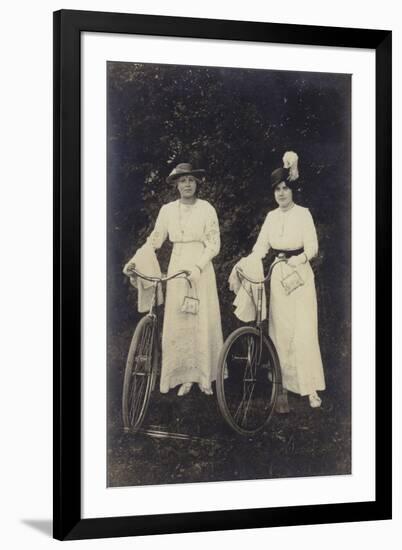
{"x":190,"y":343}
{"x":294,"y":331}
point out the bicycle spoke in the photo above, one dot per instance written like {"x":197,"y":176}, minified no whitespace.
{"x":251,"y":354}
{"x":138,"y":376}
{"x":248,"y":384}
{"x":135,"y":397}
{"x":244,"y":405}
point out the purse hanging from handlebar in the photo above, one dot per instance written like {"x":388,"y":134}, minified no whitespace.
{"x":191,"y":304}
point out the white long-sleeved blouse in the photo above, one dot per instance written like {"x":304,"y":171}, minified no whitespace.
{"x":289,"y":230}
{"x":199,"y":224}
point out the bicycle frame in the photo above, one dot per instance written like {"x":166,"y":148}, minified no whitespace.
{"x":258,"y":306}
{"x":153,"y":310}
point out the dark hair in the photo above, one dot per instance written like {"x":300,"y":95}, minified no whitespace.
{"x":293,"y":185}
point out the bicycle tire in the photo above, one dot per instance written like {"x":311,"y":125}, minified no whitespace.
{"x":232,"y":385}
{"x":139,"y":375}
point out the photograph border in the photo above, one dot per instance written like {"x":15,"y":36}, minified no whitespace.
{"x":68,"y":26}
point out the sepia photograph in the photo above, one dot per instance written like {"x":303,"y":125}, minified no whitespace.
{"x":228,"y":274}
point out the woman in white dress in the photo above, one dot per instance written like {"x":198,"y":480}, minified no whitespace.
{"x":190,"y":342}
{"x":290,"y":230}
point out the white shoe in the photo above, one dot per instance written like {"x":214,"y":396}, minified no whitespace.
{"x":207,"y":391}
{"x":184,"y":389}
{"x":315,"y":401}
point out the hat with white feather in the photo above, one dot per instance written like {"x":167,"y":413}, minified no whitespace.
{"x":289,"y":173}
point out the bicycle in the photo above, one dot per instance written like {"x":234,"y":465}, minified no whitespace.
{"x":249,"y":375}
{"x":142,"y":365}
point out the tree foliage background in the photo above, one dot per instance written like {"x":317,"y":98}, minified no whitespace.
{"x":237,"y":124}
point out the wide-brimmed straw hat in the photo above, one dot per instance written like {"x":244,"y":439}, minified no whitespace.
{"x":184,"y":169}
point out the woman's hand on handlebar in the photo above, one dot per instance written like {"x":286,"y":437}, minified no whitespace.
{"x":194,"y":274}
{"x":128,"y":269}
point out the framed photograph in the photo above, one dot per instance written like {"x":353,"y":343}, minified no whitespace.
{"x":222,"y":275}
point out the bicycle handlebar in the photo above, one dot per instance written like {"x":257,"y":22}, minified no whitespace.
{"x":132,"y":271}
{"x":279,"y":259}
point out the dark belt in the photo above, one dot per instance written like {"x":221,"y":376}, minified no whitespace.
{"x":288,"y":253}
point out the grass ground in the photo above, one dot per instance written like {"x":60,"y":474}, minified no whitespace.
{"x":305,"y":442}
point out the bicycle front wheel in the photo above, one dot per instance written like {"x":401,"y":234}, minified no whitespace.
{"x":248,"y":380}
{"x":139,"y":375}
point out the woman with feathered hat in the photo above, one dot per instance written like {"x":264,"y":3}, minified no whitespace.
{"x":191,"y":339}
{"x":290,"y":230}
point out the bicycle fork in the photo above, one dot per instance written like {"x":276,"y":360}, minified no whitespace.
{"x":259,"y":321}
{"x":155,"y":336}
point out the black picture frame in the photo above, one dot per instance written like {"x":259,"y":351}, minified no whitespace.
{"x":68,"y":27}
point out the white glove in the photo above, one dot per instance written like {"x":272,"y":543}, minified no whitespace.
{"x":128,"y":267}
{"x":295,"y":261}
{"x":195,"y":274}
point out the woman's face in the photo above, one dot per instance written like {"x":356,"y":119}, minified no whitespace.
{"x":187,"y":186}
{"x":283,"y":195}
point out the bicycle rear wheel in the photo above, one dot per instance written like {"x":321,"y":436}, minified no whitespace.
{"x":248,"y":380}
{"x":139,"y":376}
